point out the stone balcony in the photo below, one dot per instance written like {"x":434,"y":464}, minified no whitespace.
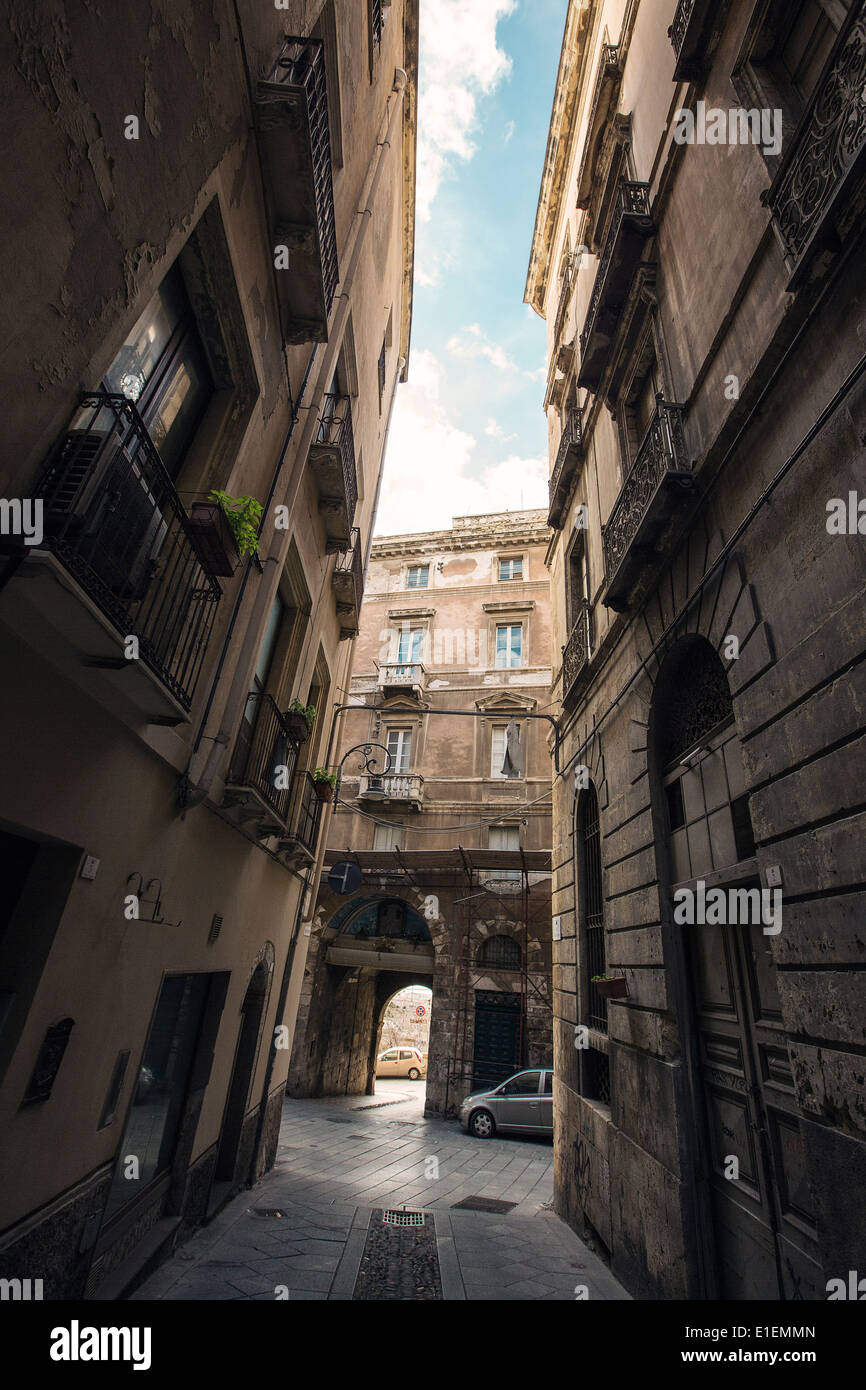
{"x":656,"y":486}
{"x":332,"y":461}
{"x":397,"y":789}
{"x":402,"y":678}
{"x":347,"y":582}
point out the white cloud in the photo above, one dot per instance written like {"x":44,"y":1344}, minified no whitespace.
{"x":461,"y":61}
{"x":495,"y":430}
{"x":471,"y":341}
{"x":427,"y":478}
{"x":509,"y":133}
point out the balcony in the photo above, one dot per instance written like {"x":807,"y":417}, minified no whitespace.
{"x":291,"y":113}
{"x":630,"y":227}
{"x":401,"y":789}
{"x":566,"y":286}
{"x":332,"y":460}
{"x":602,"y":110}
{"x":402,"y":678}
{"x":117,"y":561}
{"x":818,"y":188}
{"x":575,"y":655}
{"x":258,"y":788}
{"x":348,"y":584}
{"x":648,"y":502}
{"x":569,"y":459}
{"x":693,"y":24}
{"x":305,"y":819}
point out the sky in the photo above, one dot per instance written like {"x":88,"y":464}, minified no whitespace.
{"x":468,"y":433}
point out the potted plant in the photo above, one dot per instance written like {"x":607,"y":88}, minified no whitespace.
{"x":243,"y":515}
{"x":611,"y":987}
{"x":300,"y":720}
{"x":325,"y":783}
{"x":214,"y":539}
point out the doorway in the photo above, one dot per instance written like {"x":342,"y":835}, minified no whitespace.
{"x":243,"y":1070}
{"x":404,"y":1044}
{"x":498,"y":1041}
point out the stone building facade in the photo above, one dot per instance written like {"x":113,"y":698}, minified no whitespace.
{"x":453,"y":855}
{"x":704,"y":290}
{"x":212,"y":241}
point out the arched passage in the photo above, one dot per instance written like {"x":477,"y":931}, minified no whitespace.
{"x":755,"y":1202}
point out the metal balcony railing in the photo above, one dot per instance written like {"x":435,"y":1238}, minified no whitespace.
{"x":114,"y":519}
{"x":308,"y":813}
{"x":265,"y":755}
{"x":816,"y":184}
{"x":293,"y":123}
{"x":348,"y":583}
{"x":575,"y":653}
{"x":641,"y":509}
{"x":376,"y":21}
{"x":332,"y":457}
{"x":630,"y":225}
{"x":568,"y":459}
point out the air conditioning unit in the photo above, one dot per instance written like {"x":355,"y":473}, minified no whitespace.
{"x":78,"y":466}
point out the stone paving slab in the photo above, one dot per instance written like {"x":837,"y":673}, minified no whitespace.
{"x":327,"y":1186}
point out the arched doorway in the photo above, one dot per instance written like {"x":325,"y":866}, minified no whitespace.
{"x":403,"y":1039}
{"x":749,"y":1151}
{"x":243,"y":1069}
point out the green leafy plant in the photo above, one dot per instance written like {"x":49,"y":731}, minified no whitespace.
{"x":243,"y":515}
{"x":322,"y":774}
{"x":308,"y":712}
{"x":601,"y":977}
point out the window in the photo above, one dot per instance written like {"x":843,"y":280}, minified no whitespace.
{"x":497,"y":750}
{"x":509,"y":645}
{"x":410,"y":644}
{"x":511,"y":568}
{"x":405,"y":1055}
{"x":388,"y":837}
{"x":399,"y":745}
{"x":417,"y":576}
{"x":526,"y":1084}
{"x":547,"y":1087}
{"x":500,"y":953}
{"x":382,"y":361}
{"x":577,"y":596}
{"x":504,"y":837}
{"x":162,"y":368}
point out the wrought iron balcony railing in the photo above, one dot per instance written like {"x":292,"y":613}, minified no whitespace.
{"x":294,"y":133}
{"x":114,"y":519}
{"x":661,"y":472}
{"x":694,"y":32}
{"x":575,"y":653}
{"x":376,"y":21}
{"x":400,"y":786}
{"x":568,"y":460}
{"x":332,"y":459}
{"x":816,"y":184}
{"x":265,"y":756}
{"x":348,"y":583}
{"x":307,"y":814}
{"x":631,"y":224}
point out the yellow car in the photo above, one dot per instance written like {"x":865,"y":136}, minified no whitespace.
{"x":402,"y":1061}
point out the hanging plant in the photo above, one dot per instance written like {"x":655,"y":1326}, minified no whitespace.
{"x":244,"y":516}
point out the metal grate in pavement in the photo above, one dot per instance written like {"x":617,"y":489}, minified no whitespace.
{"x":273,"y":1212}
{"x":403,"y":1218}
{"x":339,"y":1120}
{"x":491,"y":1204}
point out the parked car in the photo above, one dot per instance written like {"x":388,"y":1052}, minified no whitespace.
{"x":402,"y":1061}
{"x":522,"y":1104}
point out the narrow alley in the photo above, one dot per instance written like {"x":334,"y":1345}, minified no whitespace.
{"x":304,"y":1231}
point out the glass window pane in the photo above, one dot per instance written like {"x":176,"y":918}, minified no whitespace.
{"x":181,"y":401}
{"x":134,"y":365}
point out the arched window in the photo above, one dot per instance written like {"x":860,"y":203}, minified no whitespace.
{"x":595,"y":1071}
{"x":500,"y":953}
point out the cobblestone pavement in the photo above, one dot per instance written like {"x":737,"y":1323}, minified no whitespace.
{"x":303,"y":1230}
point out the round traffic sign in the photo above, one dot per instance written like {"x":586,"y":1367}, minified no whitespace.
{"x":345,"y":877}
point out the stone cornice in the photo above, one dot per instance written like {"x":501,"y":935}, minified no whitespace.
{"x":498,"y":531}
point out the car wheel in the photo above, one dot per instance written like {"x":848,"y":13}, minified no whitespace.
{"x":482,"y":1124}
{"x":414,"y":1073}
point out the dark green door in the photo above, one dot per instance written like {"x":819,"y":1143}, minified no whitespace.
{"x":497,"y":1050}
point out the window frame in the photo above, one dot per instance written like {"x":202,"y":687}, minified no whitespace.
{"x":426,"y":568}
{"x":508,"y":649}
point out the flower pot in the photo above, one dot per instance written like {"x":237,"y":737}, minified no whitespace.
{"x":612,"y":989}
{"x":297,"y":727}
{"x":213,"y":539}
{"x":324,"y":791}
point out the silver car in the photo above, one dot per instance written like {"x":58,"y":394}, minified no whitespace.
{"x":523,"y":1103}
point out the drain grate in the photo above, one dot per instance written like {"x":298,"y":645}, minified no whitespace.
{"x":490,"y":1204}
{"x":339,"y":1120}
{"x":404,"y":1218}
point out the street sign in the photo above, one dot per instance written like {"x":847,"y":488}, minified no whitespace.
{"x":420,"y":1010}
{"x":345,"y":877}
